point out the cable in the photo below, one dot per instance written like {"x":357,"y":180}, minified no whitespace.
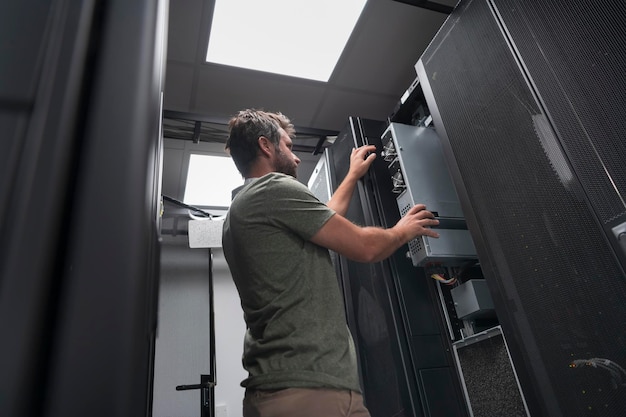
{"x":617,"y":372}
{"x":192,"y":208}
{"x":441,"y":278}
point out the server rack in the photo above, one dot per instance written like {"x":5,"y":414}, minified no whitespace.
{"x":528,"y":99}
{"x":393,"y":309}
{"x":79,"y":213}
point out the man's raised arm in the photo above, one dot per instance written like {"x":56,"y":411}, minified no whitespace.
{"x":373,"y":244}
{"x":360,"y":162}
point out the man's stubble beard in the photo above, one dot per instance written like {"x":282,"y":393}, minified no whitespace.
{"x":285,"y":165}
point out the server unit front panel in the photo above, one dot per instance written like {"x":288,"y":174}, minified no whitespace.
{"x":420,"y":176}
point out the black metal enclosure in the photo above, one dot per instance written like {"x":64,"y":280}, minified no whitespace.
{"x":404,"y":350}
{"x":529,"y":98}
{"x":80,"y":114}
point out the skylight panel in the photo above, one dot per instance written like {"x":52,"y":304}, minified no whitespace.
{"x":210,"y":181}
{"x":290,"y":37}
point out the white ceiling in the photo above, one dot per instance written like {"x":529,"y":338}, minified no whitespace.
{"x":374,"y":71}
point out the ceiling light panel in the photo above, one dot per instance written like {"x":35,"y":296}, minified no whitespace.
{"x":290,"y":37}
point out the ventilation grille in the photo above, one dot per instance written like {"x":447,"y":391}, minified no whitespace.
{"x":540,"y":197}
{"x":577,"y":58}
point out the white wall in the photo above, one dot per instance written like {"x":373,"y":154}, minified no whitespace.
{"x":230,"y":329}
{"x":182,"y":344}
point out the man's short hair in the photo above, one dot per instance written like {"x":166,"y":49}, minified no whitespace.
{"x":247,"y":127}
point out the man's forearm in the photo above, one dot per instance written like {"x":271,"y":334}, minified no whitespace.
{"x":372,"y":244}
{"x":378,"y":244}
{"x":341,"y":198}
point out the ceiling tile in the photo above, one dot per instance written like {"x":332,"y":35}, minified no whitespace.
{"x":222,"y":91}
{"x":381,"y":56}
{"x":339,"y":105}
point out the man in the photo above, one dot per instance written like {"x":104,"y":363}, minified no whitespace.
{"x":298,"y":351}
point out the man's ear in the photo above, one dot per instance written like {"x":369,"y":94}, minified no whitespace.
{"x":265,"y":146}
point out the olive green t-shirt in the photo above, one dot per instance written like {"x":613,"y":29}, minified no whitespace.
{"x":297,"y":334}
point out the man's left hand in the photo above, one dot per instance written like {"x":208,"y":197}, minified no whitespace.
{"x":361,"y":159}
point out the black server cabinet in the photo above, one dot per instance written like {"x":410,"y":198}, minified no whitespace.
{"x":80,"y":114}
{"x":528,"y":98}
{"x":404,"y":351}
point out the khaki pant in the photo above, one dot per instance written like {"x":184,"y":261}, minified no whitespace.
{"x":304,"y":402}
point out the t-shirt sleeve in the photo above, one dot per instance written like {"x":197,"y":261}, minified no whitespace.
{"x":295,"y":208}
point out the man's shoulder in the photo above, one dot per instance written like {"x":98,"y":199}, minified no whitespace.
{"x":281,"y":181}
{"x":281,"y":178}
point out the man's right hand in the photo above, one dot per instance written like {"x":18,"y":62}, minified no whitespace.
{"x":417,"y":222}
